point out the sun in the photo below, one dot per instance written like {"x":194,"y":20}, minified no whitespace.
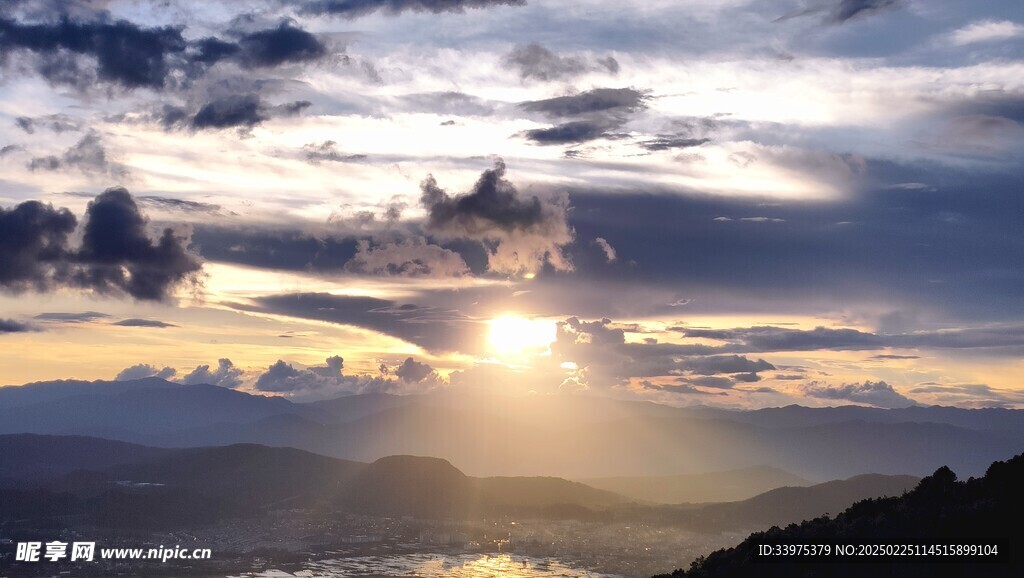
{"x":511,"y":335}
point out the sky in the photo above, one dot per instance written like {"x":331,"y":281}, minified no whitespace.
{"x":731,"y":203}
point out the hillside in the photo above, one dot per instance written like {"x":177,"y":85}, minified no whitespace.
{"x":245,"y":480}
{"x":939,"y":510}
{"x":727,"y":486}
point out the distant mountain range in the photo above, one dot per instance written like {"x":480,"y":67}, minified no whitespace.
{"x":939,"y":511}
{"x":129,"y":486}
{"x":728,"y":486}
{"x":576,"y":437}
{"x":126,"y":485}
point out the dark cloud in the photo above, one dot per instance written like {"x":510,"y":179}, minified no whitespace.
{"x":211,"y":50}
{"x":119,"y":256}
{"x":601,"y":100}
{"x":434,"y":329}
{"x":8,"y":149}
{"x":144,"y":323}
{"x":883,"y":245}
{"x":233,"y":111}
{"x":535,"y":61}
{"x":12,"y":326}
{"x":573,"y":132}
{"x":446,"y":102}
{"x":668,"y":142}
{"x":274,"y":47}
{"x":291,"y":250}
{"x":357,"y":8}
{"x":413,"y":371}
{"x":242,"y":111}
{"x":172,"y":204}
{"x":876,"y":393}
{"x":34,"y":245}
{"x":237,"y":111}
{"x":521,"y":234}
{"x":144,"y":370}
{"x":226,"y":375}
{"x":726,"y":364}
{"x":768,"y":338}
{"x":58,"y":123}
{"x":83,"y":317}
{"x":849,"y":9}
{"x":328,"y":151}
{"x":125,"y":53}
{"x":87,"y":155}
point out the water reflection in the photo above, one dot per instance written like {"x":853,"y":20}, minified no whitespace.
{"x":437,"y":566}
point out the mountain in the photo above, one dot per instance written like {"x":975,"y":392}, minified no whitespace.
{"x":133,"y":410}
{"x":940,"y":510}
{"x":1007,"y":422}
{"x":165,"y":487}
{"x":727,"y":486}
{"x":411,"y":486}
{"x":787,"y":505}
{"x":576,"y":437}
{"x":30,"y":456}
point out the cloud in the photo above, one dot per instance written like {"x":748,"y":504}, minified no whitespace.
{"x":319,"y":382}
{"x":768,"y":338}
{"x":277,"y":46}
{"x":84,"y":317}
{"x":521,"y":235}
{"x":226,"y":375}
{"x":235,"y":111}
{"x":594,"y":113}
{"x":412,"y":257}
{"x":34,"y":245}
{"x":601,"y":347}
{"x":446,"y":102}
{"x":435,"y":329}
{"x":181,"y":205}
{"x":12,"y":326}
{"x":876,"y":393}
{"x":357,"y":8}
{"x":119,"y":255}
{"x":58,"y":123}
{"x":986,"y":31}
{"x":327,"y":151}
{"x":144,"y":323}
{"x":708,"y":381}
{"x":536,"y":62}
{"x":87,"y":155}
{"x":669,"y":142}
{"x":125,"y":54}
{"x":573,"y":132}
{"x":846,"y":10}
{"x":713,"y":365}
{"x":413,"y":371}
{"x":601,"y":100}
{"x":144,"y":370}
{"x":969,"y":395}
{"x":609,"y":251}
